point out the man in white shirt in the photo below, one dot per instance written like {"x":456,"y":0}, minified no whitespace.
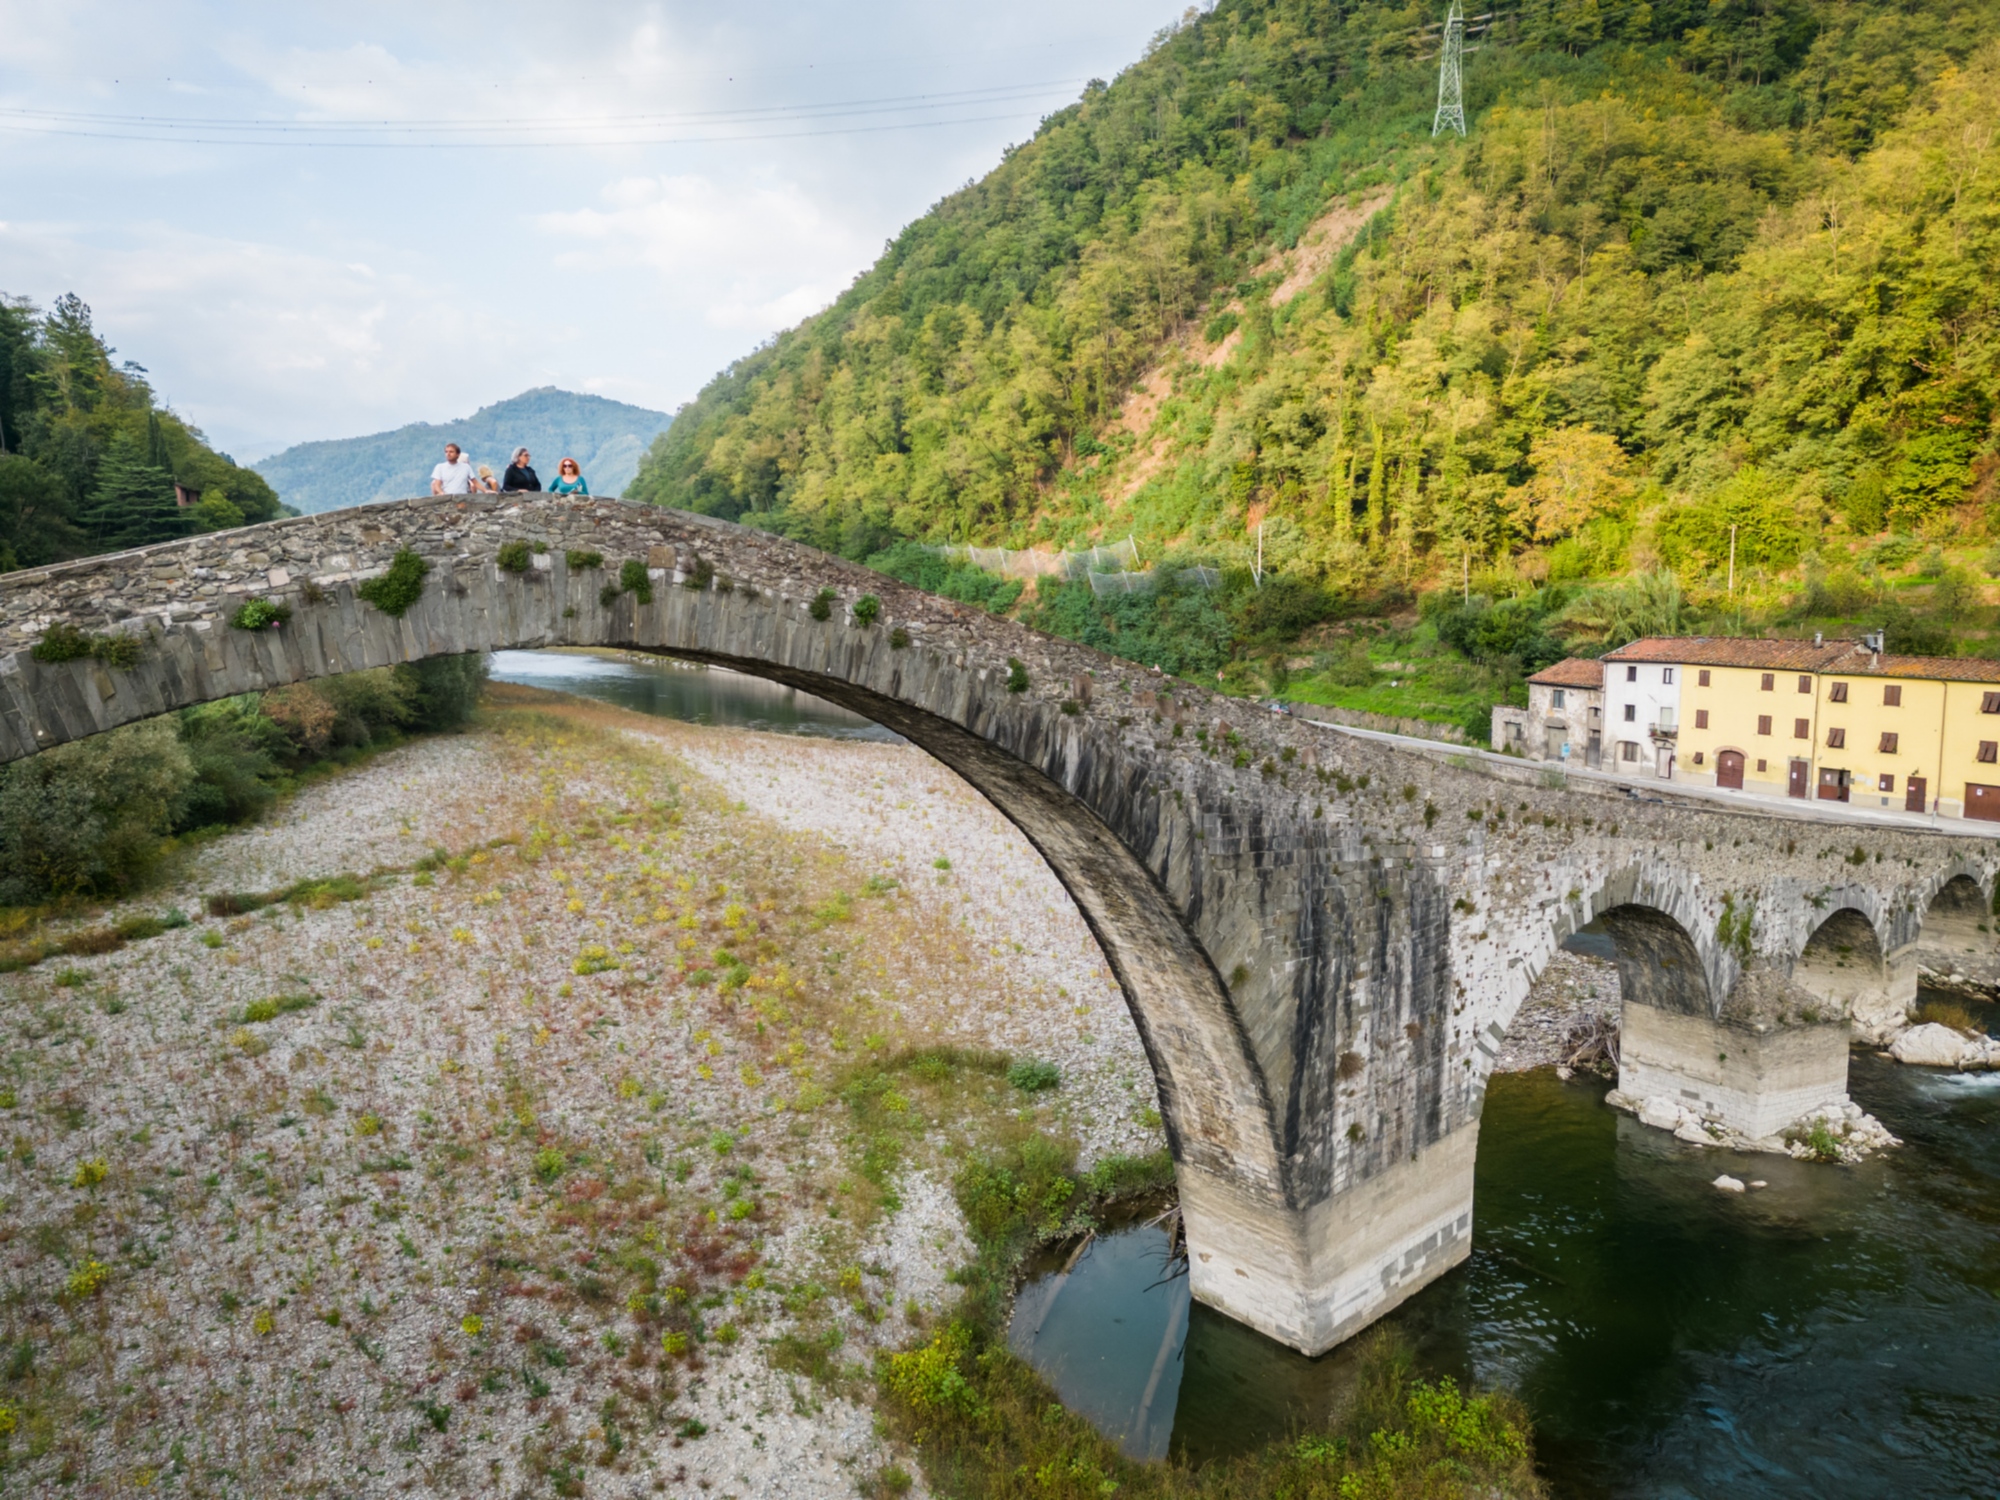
{"x":455,"y":475}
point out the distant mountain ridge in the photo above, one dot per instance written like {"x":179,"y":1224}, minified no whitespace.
{"x":605,"y":437}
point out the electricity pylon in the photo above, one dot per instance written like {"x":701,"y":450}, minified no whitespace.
{"x":1451,"y":81}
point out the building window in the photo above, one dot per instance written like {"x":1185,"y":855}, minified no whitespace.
{"x":1703,"y":679}
{"x":1892,"y":696}
{"x":1628,"y":750}
{"x":1631,"y":674}
{"x":1805,"y":683}
{"x":1837,"y":693}
{"x":1885,"y":783}
{"x":1769,"y":682}
{"x":1763,"y":723}
{"x":1888,"y":745}
{"x":1802,"y":729}
{"x":1989,"y":752}
{"x":1631,"y":712}
{"x":1667,"y":676}
{"x":1836,"y":739}
{"x":1701,"y":718}
{"x":1760,"y":765}
{"x":1556,"y":698}
{"x":1697,"y":757}
{"x":1989,"y":703}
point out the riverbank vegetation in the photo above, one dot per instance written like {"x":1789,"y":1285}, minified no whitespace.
{"x":94,"y":819}
{"x":1696,"y":273}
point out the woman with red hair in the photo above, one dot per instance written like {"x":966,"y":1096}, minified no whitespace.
{"x":569,"y":479}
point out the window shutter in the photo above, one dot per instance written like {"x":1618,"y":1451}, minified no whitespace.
{"x":1763,"y":723}
{"x":1802,"y":729}
{"x":1701,"y":718}
{"x":1805,"y":683}
{"x":1989,"y":750}
{"x":1888,"y":745}
{"x":1836,"y":739}
{"x":1892,"y":696}
{"x":1771,"y":682}
{"x":1704,"y":677}
{"x":1838,"y":694}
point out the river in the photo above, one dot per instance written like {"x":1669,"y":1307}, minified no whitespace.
{"x":1835,"y":1334}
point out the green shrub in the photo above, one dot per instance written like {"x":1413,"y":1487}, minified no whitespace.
{"x":1017,"y":676}
{"x":395,"y":591}
{"x":260,"y":614}
{"x":1033,"y":1076}
{"x":635,"y":580}
{"x":61,"y":642}
{"x":515,"y":557}
{"x":550,"y":1164}
{"x":699,"y":576}
{"x":899,"y":639}
{"x":578,"y":559}
{"x":930,"y":1380}
{"x":90,"y":817}
{"x":866,"y":609}
{"x":822,"y":604}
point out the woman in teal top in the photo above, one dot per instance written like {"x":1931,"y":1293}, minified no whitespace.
{"x":569,"y":479}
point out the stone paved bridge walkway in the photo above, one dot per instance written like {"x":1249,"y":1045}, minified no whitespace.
{"x":1322,"y":937}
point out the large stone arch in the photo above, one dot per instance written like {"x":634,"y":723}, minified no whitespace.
{"x":1321,"y":935}
{"x":1843,"y":962}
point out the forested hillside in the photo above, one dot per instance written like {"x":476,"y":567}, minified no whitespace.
{"x":605,"y":437}
{"x":1695,"y":266}
{"x":89,"y":457}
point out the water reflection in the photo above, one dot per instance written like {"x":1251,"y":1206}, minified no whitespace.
{"x":682,"y":690}
{"x":1103,"y":1321}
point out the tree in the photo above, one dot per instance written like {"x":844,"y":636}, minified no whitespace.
{"x":35,"y":525}
{"x":133,"y":503}
{"x":1580,"y":476}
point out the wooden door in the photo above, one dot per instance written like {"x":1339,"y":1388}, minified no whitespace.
{"x":1833,"y":786}
{"x":1913,"y":794}
{"x":1729,"y":769}
{"x":1797,"y":786}
{"x":1982,"y":802}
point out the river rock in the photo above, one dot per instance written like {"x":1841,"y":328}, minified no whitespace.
{"x":1933,"y":1046}
{"x":1729,"y":1184}
{"x":1661,"y":1114}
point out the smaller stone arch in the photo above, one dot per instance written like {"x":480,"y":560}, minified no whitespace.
{"x":1844,"y":964}
{"x":1659,"y":965}
{"x":1958,"y":917}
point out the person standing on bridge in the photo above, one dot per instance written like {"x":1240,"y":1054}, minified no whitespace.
{"x":520,"y":476}
{"x":455,"y":475}
{"x":569,"y":479}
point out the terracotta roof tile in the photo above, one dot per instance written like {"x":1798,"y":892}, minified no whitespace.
{"x":1842,"y":658}
{"x":1576,"y":672}
{"x":1934,"y":668}
{"x":1732,"y":651}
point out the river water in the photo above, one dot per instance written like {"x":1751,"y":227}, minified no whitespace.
{"x":681,"y":690}
{"x":1832,"y":1336}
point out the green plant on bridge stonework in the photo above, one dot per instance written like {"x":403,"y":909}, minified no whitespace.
{"x":260,"y":614}
{"x":395,"y":591}
{"x":62,"y":642}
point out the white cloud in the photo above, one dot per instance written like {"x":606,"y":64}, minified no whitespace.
{"x":749,"y":258}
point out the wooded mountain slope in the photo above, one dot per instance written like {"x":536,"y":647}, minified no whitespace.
{"x":1695,"y":265}
{"x":89,"y":458}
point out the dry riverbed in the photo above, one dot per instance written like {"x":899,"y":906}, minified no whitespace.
{"x":530,"y":1172}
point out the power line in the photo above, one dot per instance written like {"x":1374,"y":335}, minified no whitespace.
{"x":831,"y":109}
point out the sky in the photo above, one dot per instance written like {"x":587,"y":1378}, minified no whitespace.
{"x":316,"y":220}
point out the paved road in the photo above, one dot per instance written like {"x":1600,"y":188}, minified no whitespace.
{"x":1751,"y":803}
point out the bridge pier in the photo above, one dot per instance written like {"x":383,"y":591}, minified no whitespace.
{"x":1753,"y":1079}
{"x":1312,"y":1277}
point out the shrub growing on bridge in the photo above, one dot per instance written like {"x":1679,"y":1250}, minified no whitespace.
{"x":395,"y":591}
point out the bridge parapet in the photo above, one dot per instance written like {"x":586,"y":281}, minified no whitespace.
{"x":1322,"y":936}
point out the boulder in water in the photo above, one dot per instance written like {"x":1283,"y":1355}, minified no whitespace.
{"x":1931,"y":1046}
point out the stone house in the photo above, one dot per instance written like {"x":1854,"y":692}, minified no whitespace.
{"x":1564,"y":719}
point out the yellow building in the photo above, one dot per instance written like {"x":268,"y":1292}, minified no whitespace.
{"x":1748,"y":715}
{"x":1834,"y":720}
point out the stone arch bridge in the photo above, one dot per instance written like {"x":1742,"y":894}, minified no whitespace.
{"x":1322,"y":937}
